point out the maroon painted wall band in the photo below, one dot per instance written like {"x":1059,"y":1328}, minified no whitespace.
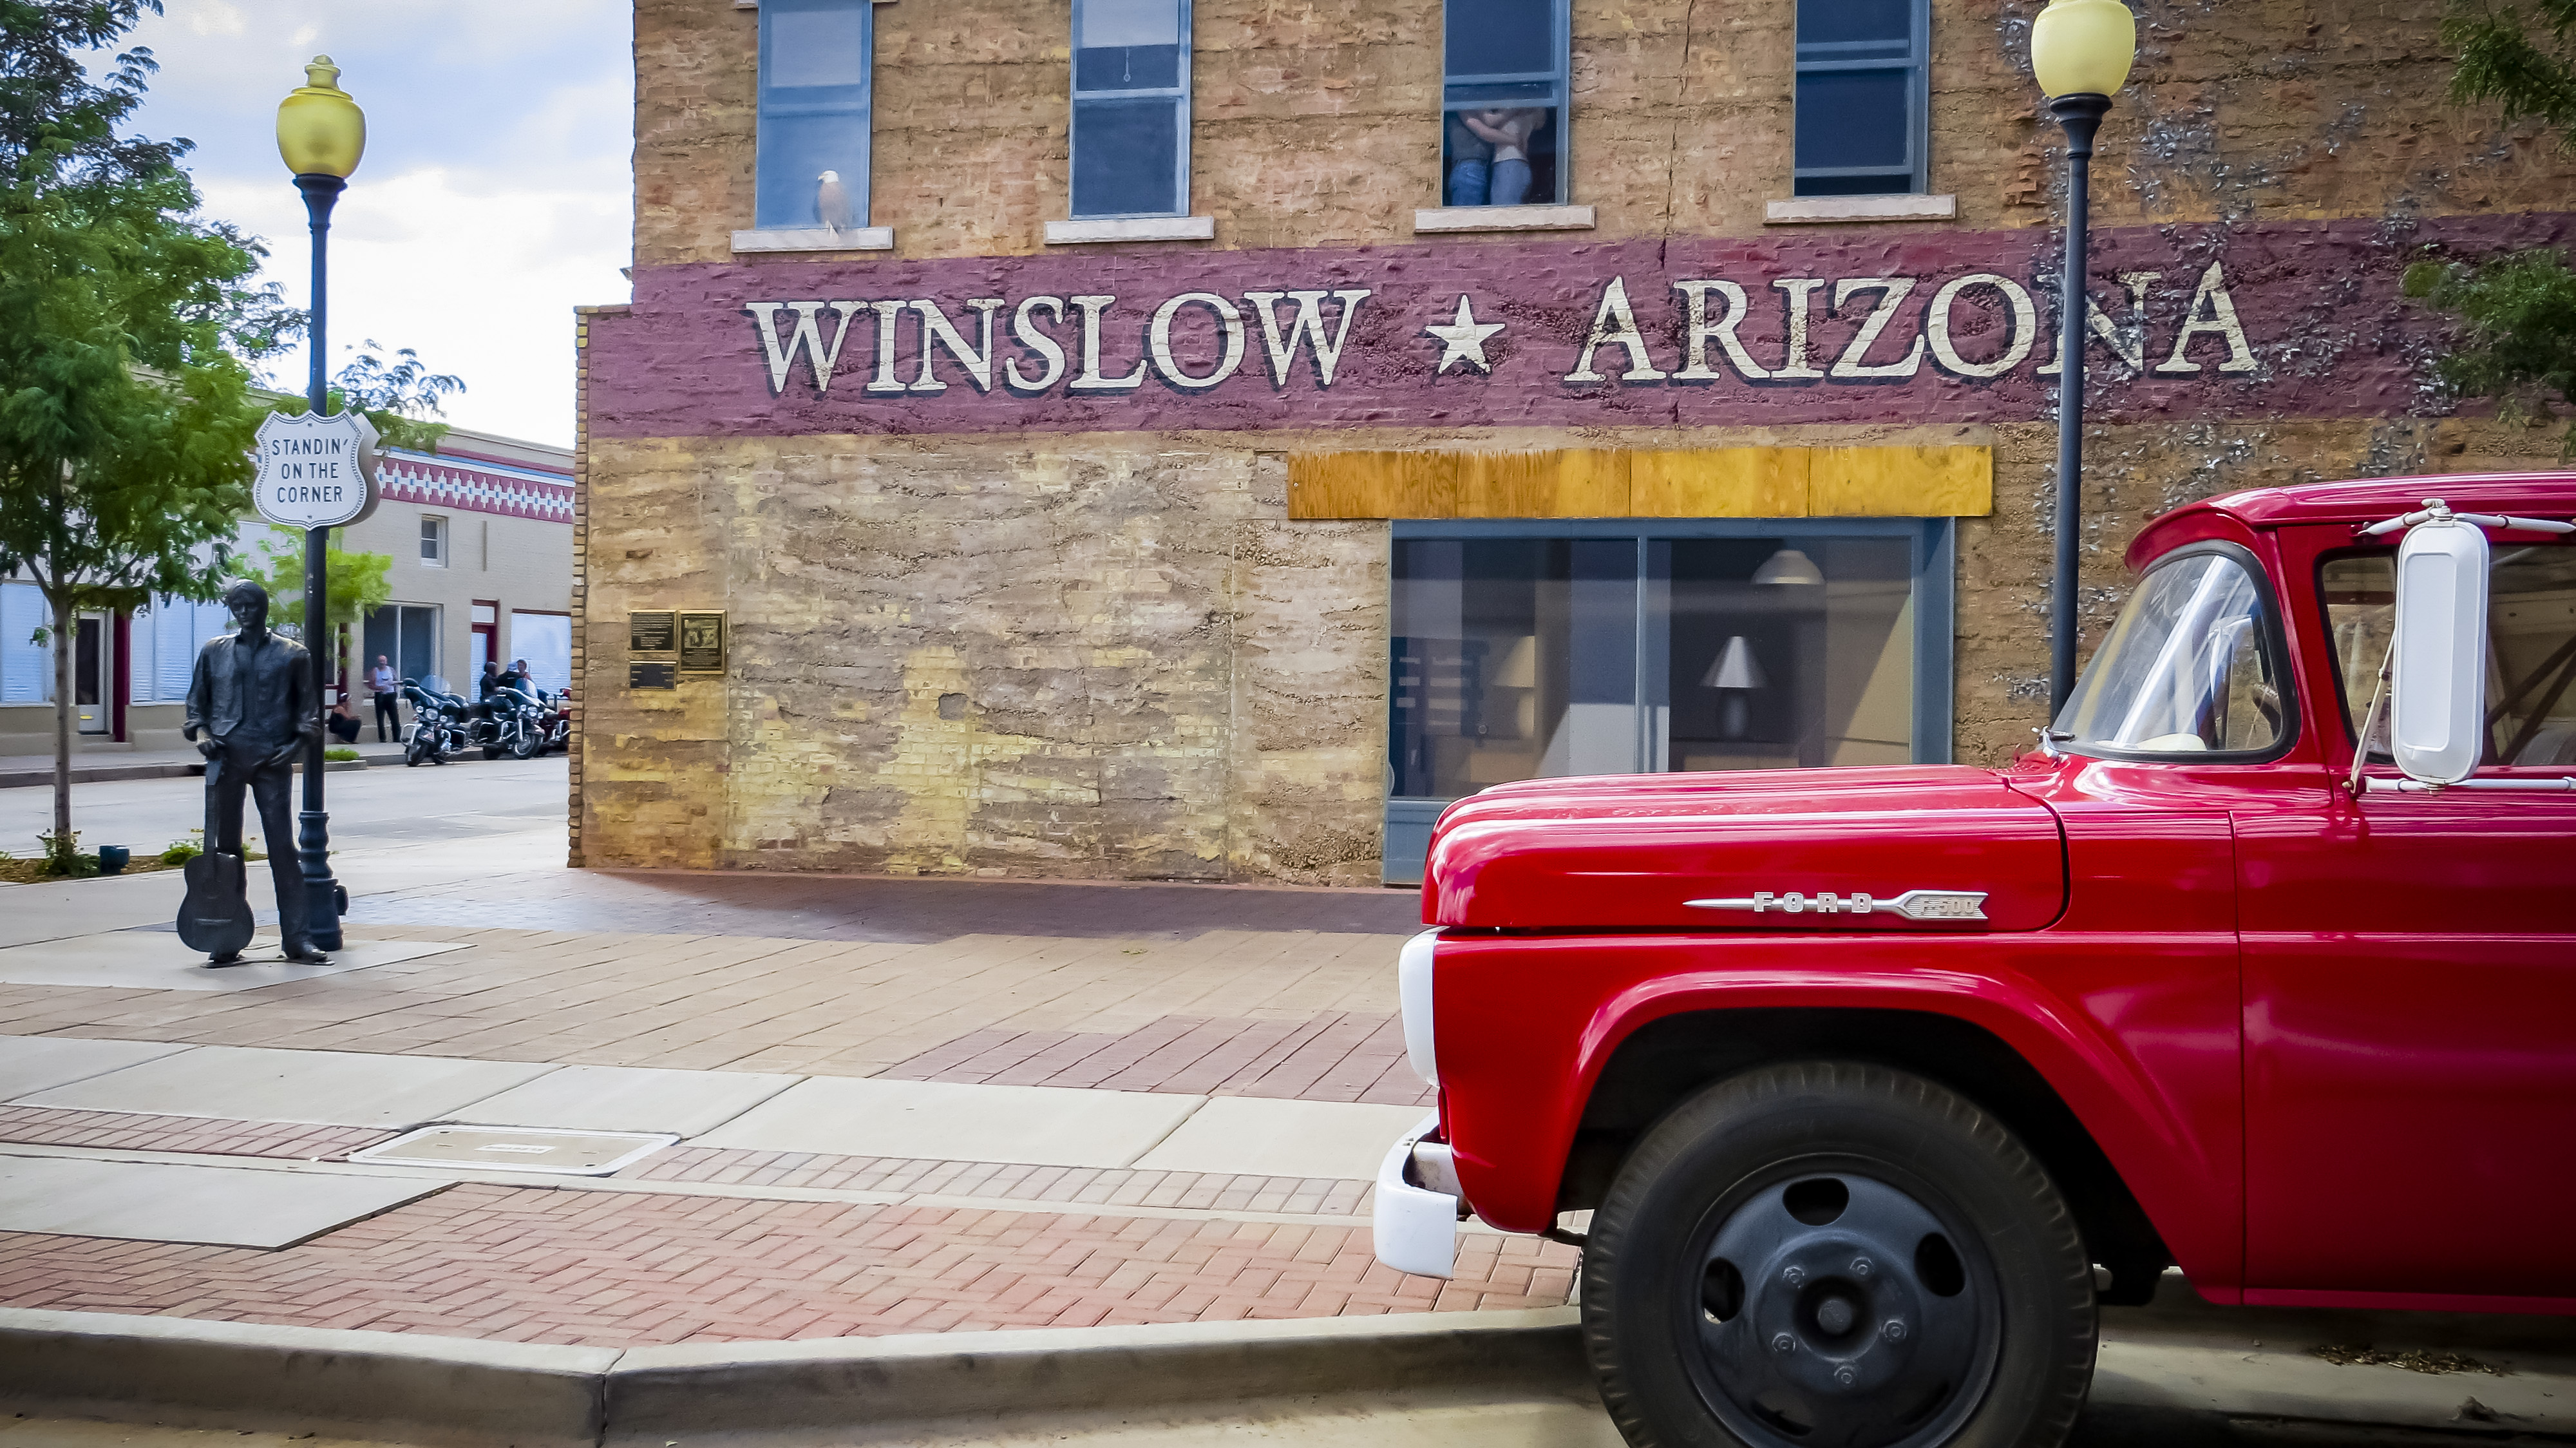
{"x":2201,"y":321}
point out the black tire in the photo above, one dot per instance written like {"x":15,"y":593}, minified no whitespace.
{"x":491,"y":751}
{"x":1966,"y":1313}
{"x":524,"y":747}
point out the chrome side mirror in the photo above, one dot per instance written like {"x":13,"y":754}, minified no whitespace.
{"x":2437,"y":692}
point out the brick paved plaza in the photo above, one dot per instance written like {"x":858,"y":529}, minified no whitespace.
{"x":1133,"y":993}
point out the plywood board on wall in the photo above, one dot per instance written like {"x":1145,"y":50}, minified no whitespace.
{"x":1735,"y":482}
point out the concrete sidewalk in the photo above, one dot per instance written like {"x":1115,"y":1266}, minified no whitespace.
{"x":252,"y":1184}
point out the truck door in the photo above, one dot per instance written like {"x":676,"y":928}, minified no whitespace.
{"x":2410,"y":981}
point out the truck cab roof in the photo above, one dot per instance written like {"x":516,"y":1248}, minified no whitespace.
{"x":2548,"y":495}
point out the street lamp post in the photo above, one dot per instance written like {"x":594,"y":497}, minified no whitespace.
{"x":2081,"y":51}
{"x":321,"y":133}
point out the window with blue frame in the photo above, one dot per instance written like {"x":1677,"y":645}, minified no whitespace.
{"x":1503,"y":102}
{"x":815,"y":62}
{"x":1864,"y":97}
{"x":1131,"y":108}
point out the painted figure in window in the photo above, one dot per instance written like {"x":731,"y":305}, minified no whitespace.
{"x":1489,"y":155}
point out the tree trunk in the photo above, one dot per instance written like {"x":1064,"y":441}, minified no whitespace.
{"x":64,"y":626}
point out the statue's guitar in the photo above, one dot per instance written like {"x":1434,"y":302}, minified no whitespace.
{"x":215,"y":918}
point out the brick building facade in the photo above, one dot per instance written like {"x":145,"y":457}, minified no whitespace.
{"x":1161,"y":439}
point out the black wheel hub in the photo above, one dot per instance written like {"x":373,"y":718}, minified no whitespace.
{"x":1837,"y":1311}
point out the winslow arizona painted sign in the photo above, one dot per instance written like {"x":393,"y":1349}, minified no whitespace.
{"x":2291,"y":318}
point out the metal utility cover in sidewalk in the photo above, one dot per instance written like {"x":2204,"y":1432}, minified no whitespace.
{"x":508,"y":1148}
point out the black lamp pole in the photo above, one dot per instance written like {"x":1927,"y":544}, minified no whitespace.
{"x":313,"y":838}
{"x":2081,"y":115}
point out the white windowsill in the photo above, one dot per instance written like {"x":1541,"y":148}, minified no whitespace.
{"x":1134,"y":228}
{"x":1503,"y":218}
{"x":1826,"y":210}
{"x":816,"y":238}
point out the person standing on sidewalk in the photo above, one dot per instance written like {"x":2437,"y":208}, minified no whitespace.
{"x":388,"y":697}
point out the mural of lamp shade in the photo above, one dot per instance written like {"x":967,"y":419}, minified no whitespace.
{"x":1788,"y":566}
{"x":1735,"y":676}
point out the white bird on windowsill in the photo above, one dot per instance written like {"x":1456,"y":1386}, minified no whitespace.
{"x":832,"y":202}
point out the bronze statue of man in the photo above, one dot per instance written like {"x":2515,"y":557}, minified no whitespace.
{"x":251,"y":700}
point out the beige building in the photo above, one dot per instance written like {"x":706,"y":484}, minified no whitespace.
{"x":1200,"y":438}
{"x":480,"y":535}
{"x":481,"y":538}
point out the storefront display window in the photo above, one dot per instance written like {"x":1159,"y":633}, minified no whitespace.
{"x":1542,"y":650}
{"x":1503,"y":102}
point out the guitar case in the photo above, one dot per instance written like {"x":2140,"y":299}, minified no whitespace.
{"x":215,"y":918}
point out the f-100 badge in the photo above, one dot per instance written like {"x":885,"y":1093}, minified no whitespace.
{"x":1913,"y":904}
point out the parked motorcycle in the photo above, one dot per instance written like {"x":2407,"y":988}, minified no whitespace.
{"x":438,"y":721}
{"x":510,"y":721}
{"x":558,"y":720}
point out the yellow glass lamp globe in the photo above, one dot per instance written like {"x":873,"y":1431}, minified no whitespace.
{"x":320,"y":131}
{"x":2083,"y":47}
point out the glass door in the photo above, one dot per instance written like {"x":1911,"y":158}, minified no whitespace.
{"x":1539,"y":650}
{"x":90,"y":666}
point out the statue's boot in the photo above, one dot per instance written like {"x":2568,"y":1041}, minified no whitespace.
{"x":302,"y":952}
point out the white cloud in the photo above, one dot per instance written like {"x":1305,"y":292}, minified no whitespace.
{"x":496,"y":192}
{"x":479,"y":279}
{"x":214,"y":17}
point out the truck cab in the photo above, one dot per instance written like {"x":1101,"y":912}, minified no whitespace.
{"x":1873,"y":1083}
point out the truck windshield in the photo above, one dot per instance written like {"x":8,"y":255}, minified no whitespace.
{"x":2185,"y":670}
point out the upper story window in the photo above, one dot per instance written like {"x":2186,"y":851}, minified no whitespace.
{"x":433,"y":542}
{"x":815,"y":59}
{"x":1503,"y":102}
{"x":1131,"y":108}
{"x":1863,"y":97}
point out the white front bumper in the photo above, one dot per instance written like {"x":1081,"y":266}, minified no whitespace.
{"x":1416,"y":1227}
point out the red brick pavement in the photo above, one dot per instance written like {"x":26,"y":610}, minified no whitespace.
{"x":135,"y":1131}
{"x":621,"y":1269}
{"x":1094,"y":1186}
{"x":1336,"y":1056}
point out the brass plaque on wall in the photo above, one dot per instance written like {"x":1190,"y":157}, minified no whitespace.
{"x":652,"y":676}
{"x":702,"y":643}
{"x":650,"y":633}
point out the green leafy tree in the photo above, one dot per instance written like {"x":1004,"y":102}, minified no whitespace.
{"x":2518,"y":344}
{"x":128,"y":327}
{"x":403,"y":398}
{"x":2518,"y":341}
{"x":358,"y":582}
{"x":2502,"y":61}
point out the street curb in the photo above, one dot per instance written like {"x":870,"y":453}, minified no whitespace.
{"x":96,"y":774}
{"x":243,"y":1375}
{"x":416,"y":1388}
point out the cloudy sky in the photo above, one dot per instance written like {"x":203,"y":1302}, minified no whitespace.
{"x":494,"y":196}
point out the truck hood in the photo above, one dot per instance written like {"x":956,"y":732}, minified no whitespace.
{"x":1774,"y":849}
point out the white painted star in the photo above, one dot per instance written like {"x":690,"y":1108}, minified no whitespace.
{"x":1464,"y":339}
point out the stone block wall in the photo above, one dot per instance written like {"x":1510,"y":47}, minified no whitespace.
{"x":1316,"y":124}
{"x":1111,"y":654}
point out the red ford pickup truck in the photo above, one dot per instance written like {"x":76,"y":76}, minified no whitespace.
{"x":1876,"y":1081}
